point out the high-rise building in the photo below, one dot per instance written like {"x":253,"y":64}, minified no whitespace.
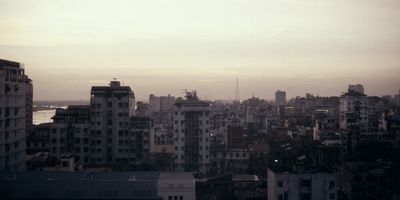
{"x":160,"y":109}
{"x":70,"y":134}
{"x":353,"y":117}
{"x":192,"y":134}
{"x":280,"y":98}
{"x":111,"y":108}
{"x":28,"y":104}
{"x":161,"y":103}
{"x":13,"y":115}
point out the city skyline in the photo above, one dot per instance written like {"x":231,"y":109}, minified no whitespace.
{"x":163,"y":47}
{"x":212,"y":99}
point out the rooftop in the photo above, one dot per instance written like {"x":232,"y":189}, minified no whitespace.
{"x":84,"y":185}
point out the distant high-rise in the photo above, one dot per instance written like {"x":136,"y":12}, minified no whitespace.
{"x":160,"y":109}
{"x":357,"y":88}
{"x":280,"y":98}
{"x":111,"y":109}
{"x":13,"y":115}
{"x":237,"y":94}
{"x":191,"y":125}
{"x":161,"y":103}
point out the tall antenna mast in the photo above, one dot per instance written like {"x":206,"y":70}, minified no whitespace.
{"x":237,"y":95}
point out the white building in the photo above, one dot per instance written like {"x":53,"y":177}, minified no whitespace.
{"x":304,"y":186}
{"x":176,"y":186}
{"x":111,"y":109}
{"x":191,"y":125}
{"x":13,"y":116}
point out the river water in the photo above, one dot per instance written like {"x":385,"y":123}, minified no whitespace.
{"x":43,"y":116}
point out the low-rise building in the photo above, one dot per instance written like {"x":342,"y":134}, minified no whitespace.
{"x":38,"y":140}
{"x":98,"y":185}
{"x":303,"y":185}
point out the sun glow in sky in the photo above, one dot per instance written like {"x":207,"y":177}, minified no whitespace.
{"x":163,"y":46}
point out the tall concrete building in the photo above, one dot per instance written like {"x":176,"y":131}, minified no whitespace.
{"x":353,"y":117}
{"x":70,"y":133}
{"x":161,"y":103}
{"x":111,"y":108}
{"x":192,"y":134}
{"x":13,"y":115}
{"x":280,"y":98}
{"x":28,"y":104}
{"x":160,"y":109}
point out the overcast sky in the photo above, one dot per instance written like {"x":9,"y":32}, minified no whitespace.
{"x":163,"y":46}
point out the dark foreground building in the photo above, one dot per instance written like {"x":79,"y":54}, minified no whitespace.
{"x":98,"y":185}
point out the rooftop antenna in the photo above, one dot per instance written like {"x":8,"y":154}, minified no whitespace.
{"x":237,"y":96}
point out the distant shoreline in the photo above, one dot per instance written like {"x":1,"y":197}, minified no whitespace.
{"x":52,"y":105}
{"x":40,"y":108}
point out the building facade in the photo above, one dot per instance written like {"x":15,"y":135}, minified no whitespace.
{"x":70,"y":134}
{"x":111,"y":108}
{"x":140,"y":130}
{"x":301,"y":185}
{"x":13,"y":115}
{"x":280,"y":98}
{"x":353,"y":118}
{"x":192,"y":134}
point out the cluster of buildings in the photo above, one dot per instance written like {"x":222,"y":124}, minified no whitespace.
{"x":307,"y":147}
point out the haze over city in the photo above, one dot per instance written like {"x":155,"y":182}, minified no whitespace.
{"x":162,"y":47}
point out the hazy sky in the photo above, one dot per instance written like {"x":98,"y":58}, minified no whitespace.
{"x":163,"y":46}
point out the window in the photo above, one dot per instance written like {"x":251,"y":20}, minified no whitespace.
{"x":286,"y":196}
{"x":305,"y":183}
{"x":331,"y":184}
{"x":280,"y":184}
{"x":306,"y":196}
